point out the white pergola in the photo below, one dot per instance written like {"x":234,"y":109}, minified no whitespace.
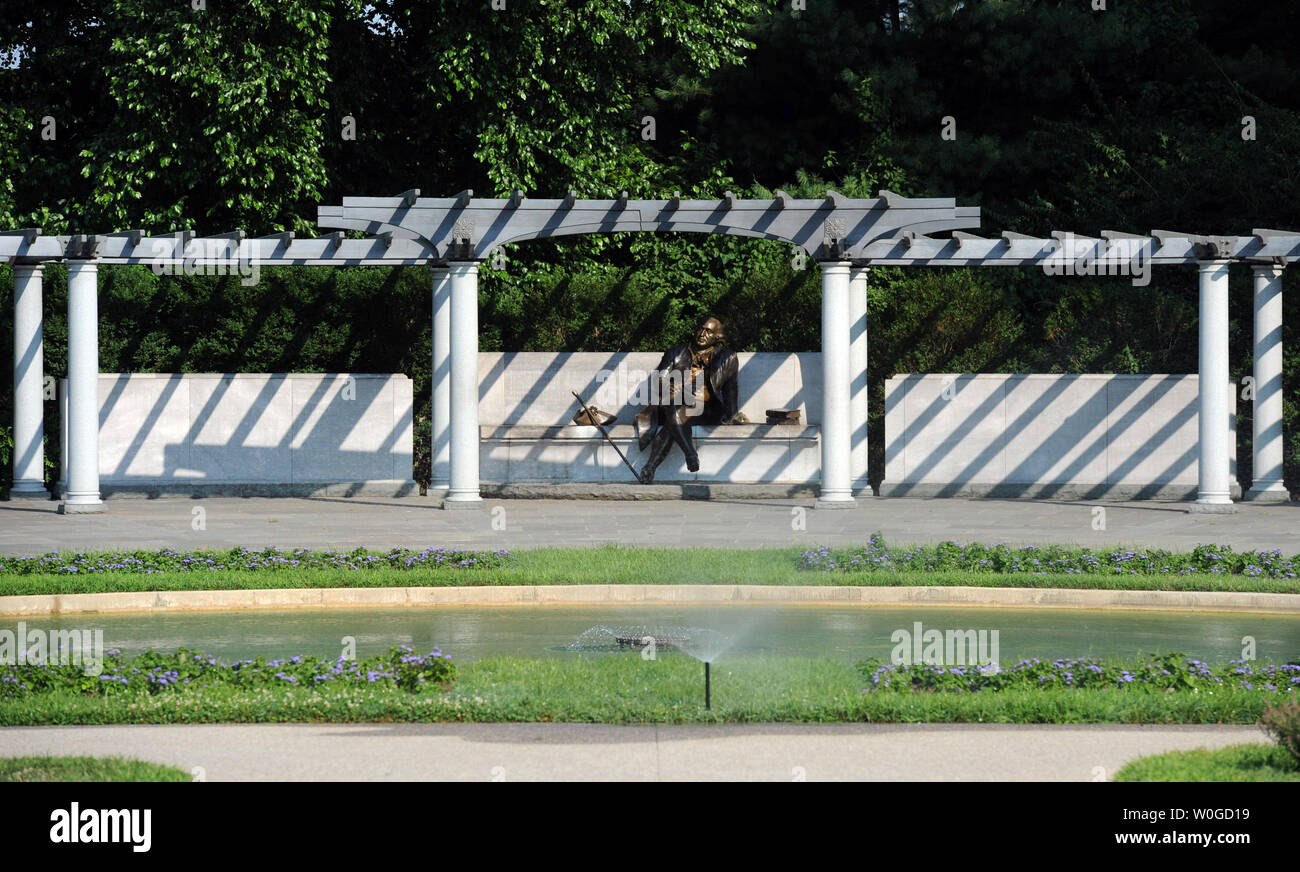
{"x":454,"y":234}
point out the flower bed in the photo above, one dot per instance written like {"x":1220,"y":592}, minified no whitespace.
{"x":1170,"y":672}
{"x":876,"y":556}
{"x":167,"y":560}
{"x":626,"y":690}
{"x":155,"y":673}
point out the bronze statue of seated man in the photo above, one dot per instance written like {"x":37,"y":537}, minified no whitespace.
{"x":697,"y":385}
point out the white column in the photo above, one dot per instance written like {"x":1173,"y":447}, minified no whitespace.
{"x":82,"y":495}
{"x":463,"y":492}
{"x":1266,"y":442}
{"x":440,"y":413}
{"x":858,"y":378}
{"x":29,"y":384}
{"x":1213,"y":492}
{"x":836,"y":424}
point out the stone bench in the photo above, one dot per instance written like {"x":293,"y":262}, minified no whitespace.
{"x":733,"y":454}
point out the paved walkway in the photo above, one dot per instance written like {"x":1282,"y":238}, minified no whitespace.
{"x":27,"y":527}
{"x":593,"y":752}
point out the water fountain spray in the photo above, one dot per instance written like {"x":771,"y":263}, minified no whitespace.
{"x":705,"y":645}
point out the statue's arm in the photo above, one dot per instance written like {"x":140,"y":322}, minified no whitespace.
{"x":666,"y":363}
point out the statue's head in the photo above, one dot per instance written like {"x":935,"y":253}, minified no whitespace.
{"x":709,"y":334}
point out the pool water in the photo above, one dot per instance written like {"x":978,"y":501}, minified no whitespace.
{"x":470,"y":633}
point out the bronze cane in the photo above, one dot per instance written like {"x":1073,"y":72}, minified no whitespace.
{"x":601,"y":428}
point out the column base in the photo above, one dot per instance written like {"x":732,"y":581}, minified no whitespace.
{"x":463,"y":501}
{"x":95,"y":508}
{"x":845,"y":502}
{"x":28,"y":492}
{"x":1200,"y":508}
{"x":1275,"y":492}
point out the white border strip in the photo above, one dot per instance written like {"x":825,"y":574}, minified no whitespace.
{"x":594,"y":594}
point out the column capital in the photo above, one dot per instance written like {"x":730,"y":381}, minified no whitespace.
{"x":1210,"y":264}
{"x":1273,"y":269}
{"x":32,"y":268}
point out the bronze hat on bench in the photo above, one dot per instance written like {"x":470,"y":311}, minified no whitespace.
{"x":591,"y":416}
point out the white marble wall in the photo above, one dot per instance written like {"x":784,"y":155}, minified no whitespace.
{"x":271,"y":433}
{"x":1072,"y":436}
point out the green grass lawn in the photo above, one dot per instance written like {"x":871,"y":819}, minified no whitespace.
{"x":31,"y":769}
{"x":1235,"y":763}
{"x":626,"y":565}
{"x":624,"y":689}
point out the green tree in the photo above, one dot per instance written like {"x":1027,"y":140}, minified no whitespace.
{"x":219,"y":116}
{"x":542,"y":96}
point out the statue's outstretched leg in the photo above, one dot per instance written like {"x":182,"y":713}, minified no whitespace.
{"x":659,"y":449}
{"x":681,"y":434}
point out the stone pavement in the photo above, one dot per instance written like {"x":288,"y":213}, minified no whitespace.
{"x":596,"y":752}
{"x":28,"y":527}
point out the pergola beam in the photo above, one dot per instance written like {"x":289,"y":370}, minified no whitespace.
{"x":445,"y":224}
{"x":281,"y":249}
{"x":28,"y":235}
{"x":903,"y":248}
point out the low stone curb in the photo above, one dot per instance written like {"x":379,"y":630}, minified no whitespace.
{"x":595,"y":594}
